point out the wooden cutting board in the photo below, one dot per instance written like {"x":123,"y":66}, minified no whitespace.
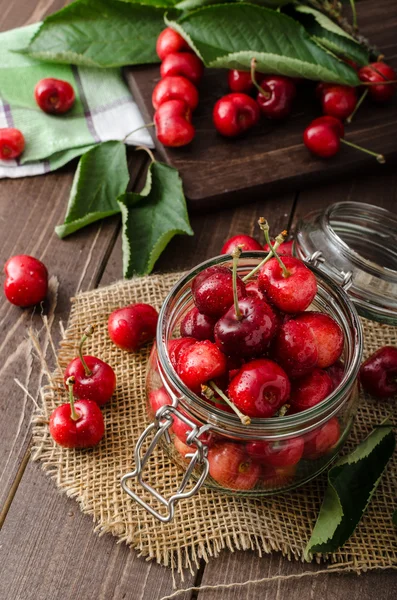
{"x":271,"y":158}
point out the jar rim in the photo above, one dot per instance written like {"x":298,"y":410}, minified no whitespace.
{"x":230,"y":421}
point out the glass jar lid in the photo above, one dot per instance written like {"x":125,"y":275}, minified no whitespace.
{"x":356,"y":245}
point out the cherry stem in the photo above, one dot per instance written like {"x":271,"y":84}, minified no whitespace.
{"x":236,"y":255}
{"x":88,"y":331}
{"x":267,"y":95}
{"x":354,"y":14}
{"x":263,"y":224}
{"x":379,"y":157}
{"x":148,"y":151}
{"x":385,"y":82}
{"x":73,"y":413}
{"x":243,"y":418}
{"x":137,"y":129}
{"x":277,"y":242}
{"x":359,"y":103}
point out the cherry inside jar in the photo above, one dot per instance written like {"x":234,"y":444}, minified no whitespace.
{"x":212,"y":446}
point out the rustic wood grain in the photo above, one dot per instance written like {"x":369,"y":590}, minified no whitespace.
{"x":271,"y":157}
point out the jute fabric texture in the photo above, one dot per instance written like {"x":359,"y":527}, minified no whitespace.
{"x":209,"y":522}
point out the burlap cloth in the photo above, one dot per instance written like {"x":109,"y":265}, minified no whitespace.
{"x":209,"y":522}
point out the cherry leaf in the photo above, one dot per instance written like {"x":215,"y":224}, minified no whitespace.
{"x":101,"y":176}
{"x":152,"y":218}
{"x":352,"y":482}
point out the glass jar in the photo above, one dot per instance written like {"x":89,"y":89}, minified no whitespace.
{"x":355,"y":243}
{"x":194,"y":433}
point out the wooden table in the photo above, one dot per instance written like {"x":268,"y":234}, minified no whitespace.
{"x":49,"y":550}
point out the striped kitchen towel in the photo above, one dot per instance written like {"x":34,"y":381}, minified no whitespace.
{"x":104,"y":109}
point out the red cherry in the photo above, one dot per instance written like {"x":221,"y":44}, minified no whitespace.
{"x":198,"y":326}
{"x":321,"y":139}
{"x":295,"y":348}
{"x":200,"y":363}
{"x":245,"y":241}
{"x":240,"y":81}
{"x":322,"y":440}
{"x":310,"y":390}
{"x":234,"y":114}
{"x":378,"y":374}
{"x":12,"y":143}
{"x":277,"y":477}
{"x":232,"y":468}
{"x":132,"y":326}
{"x":173,"y":126}
{"x":176,"y":347}
{"x":290,"y":290}
{"x":282,"y":453}
{"x":249,"y":333}
{"x":335,"y":124}
{"x":336,"y":372}
{"x":158,"y":398}
{"x":284,"y":249}
{"x":327,"y":334}
{"x":338,"y":101}
{"x":252,"y":289}
{"x":186,"y":64}
{"x":54,"y":96}
{"x":280,"y":92}
{"x":183,"y":449}
{"x":260,"y":388}
{"x":212,"y":291}
{"x":26,"y":281}
{"x":94,"y":379}
{"x":168,"y":42}
{"x":379,"y":72}
{"x":175,"y":88}
{"x":77,"y":425}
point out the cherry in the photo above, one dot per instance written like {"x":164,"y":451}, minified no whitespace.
{"x":378,"y":374}
{"x":132,"y":326}
{"x":291,"y":287}
{"x":336,"y":372}
{"x":277,"y":477}
{"x":173,"y":124}
{"x":310,"y":390}
{"x":26,"y":281}
{"x":277,"y":95}
{"x":322,"y":440}
{"x":260,"y":388}
{"x":183,"y":449}
{"x":252,"y":289}
{"x":176,"y":347}
{"x":212,"y":291}
{"x":77,"y":424}
{"x":200,"y":363}
{"x":94,"y":379}
{"x":235,"y":114}
{"x":295,"y":348}
{"x":175,"y":88}
{"x":323,"y":138}
{"x":12,"y":143}
{"x":169,"y":42}
{"x":232,"y":468}
{"x":282,"y":453}
{"x":377,"y":73}
{"x":327,"y":334}
{"x":284,"y":249}
{"x":338,"y":101}
{"x":240,"y":81}
{"x":54,"y":96}
{"x":198,"y":326}
{"x":186,"y":64}
{"x":246,"y":242}
{"x":159,"y":398}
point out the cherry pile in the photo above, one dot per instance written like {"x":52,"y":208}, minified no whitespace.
{"x":175,"y":96}
{"x":53,"y":96}
{"x":252,"y":346}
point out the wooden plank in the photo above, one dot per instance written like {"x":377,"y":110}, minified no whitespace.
{"x":272,"y":158}
{"x":244,"y":566}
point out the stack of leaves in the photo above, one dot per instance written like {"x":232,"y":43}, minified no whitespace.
{"x":306,"y":40}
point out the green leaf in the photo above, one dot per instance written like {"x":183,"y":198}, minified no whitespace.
{"x":152,"y":218}
{"x":101,"y":176}
{"x":351,"y":483}
{"x":193,"y":4}
{"x":99,"y":33}
{"x":231,"y":35}
{"x":330,"y":35}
